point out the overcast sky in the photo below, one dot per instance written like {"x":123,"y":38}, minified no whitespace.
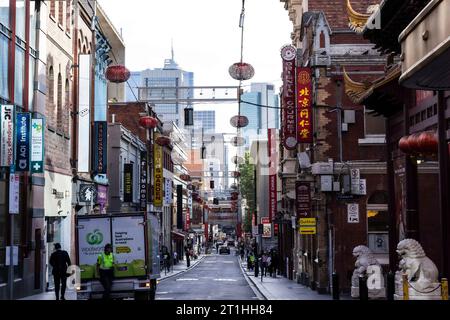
{"x":206,"y":37}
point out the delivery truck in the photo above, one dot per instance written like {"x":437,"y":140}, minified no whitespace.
{"x":135,"y":241}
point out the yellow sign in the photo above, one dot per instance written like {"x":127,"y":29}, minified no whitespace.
{"x":123,"y":250}
{"x":308,"y":230}
{"x":307,"y":221}
{"x":158,"y":175}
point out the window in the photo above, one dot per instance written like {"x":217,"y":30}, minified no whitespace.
{"x":33,"y":19}
{"x":378,"y":222}
{"x":4,"y":55}
{"x":68,"y":22}
{"x":19,"y":76}
{"x":67,"y":106}
{"x":374,"y":125}
{"x":4,"y":12}
{"x":20,"y":19}
{"x":31,"y":83}
{"x":60,"y":12}
{"x":59,"y":112}
{"x":52,"y":8}
{"x":51,"y":95}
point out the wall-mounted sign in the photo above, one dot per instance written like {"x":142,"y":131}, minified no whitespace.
{"x":6,"y":135}
{"x":303,"y":199}
{"x":272,"y":196}
{"x":23,"y":120}
{"x":99,"y":160}
{"x":304,"y":106}
{"x":158,"y":175}
{"x":14,"y":187}
{"x":102,"y":196}
{"x":87,"y":193}
{"x":179,"y":206}
{"x":168,"y":192}
{"x":267,"y":228}
{"x":188,"y":220}
{"x":128,"y":182}
{"x":37,"y":145}
{"x":289,"y":137}
{"x":143,"y":182}
{"x":352,"y":213}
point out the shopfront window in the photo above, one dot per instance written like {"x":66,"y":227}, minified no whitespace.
{"x":20,"y":19}
{"x":378,"y":222}
{"x":19,"y":76}
{"x":4,"y":13}
{"x":4,"y":55}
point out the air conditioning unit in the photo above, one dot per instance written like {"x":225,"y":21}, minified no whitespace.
{"x":319,"y":168}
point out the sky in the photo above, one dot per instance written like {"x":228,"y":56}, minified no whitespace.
{"x":206,"y":39}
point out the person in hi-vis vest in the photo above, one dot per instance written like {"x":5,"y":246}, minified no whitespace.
{"x":105,"y":268}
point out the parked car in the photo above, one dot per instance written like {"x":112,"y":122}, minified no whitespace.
{"x":224,"y":249}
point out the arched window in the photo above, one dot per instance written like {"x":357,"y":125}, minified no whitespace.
{"x":68,"y":22}
{"x":378,"y":222}
{"x":59,"y":113}
{"x":53,"y":8}
{"x":67,"y":106}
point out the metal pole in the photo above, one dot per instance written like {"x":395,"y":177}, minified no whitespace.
{"x":335,"y":284}
{"x":11,"y":259}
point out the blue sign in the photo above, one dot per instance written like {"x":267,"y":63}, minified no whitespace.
{"x":23,"y":120}
{"x":99,"y":153}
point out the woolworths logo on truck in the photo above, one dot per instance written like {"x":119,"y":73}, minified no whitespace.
{"x":95,"y":237}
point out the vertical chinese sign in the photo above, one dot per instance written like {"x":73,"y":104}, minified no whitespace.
{"x":158,"y":175}
{"x":304,"y":106}
{"x":272,"y":148}
{"x":128,"y":182}
{"x":100,"y":138}
{"x":143,"y":182}
{"x":289,"y":135}
{"x":188,"y":220}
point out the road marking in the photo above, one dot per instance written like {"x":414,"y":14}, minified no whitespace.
{"x":187,"y":279}
{"x":162,"y":292}
{"x":227,"y":262}
{"x":225,"y":280}
{"x":164,"y":298}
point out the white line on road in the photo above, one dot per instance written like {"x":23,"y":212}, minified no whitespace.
{"x":186,"y":279}
{"x":225,"y":280}
{"x":162,"y":292}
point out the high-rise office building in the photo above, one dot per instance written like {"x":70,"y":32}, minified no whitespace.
{"x":205,"y":119}
{"x":164,"y":84}
{"x":260,"y":118}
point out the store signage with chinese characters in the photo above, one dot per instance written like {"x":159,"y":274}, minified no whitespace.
{"x":158,"y":175}
{"x":128,"y":182}
{"x":6,"y":135}
{"x":37,"y":145}
{"x":143,"y":182}
{"x":304,"y":106}
{"x":23,"y":120}
{"x":303,"y":199}
{"x":99,"y":160}
{"x":289,"y":136}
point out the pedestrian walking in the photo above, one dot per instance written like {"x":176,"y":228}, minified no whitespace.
{"x":105,"y":268}
{"x":269,"y":264}
{"x":264,"y":264}
{"x":257,"y":264}
{"x":60,"y":261}
{"x":175,"y":257}
{"x":188,"y":259}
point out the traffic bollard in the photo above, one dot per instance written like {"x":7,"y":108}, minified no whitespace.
{"x":390,"y":285}
{"x":444,"y":288}
{"x":363,"y":290}
{"x":335,"y":284}
{"x":405,"y":287}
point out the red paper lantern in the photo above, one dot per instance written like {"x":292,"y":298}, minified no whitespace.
{"x":163,"y":141}
{"x":427,"y":142}
{"x":117,"y":73}
{"x":235,"y":174}
{"x":239,"y":121}
{"x":185,"y":177}
{"x":148,"y":122}
{"x":241,"y":71}
{"x":413,"y":143}
{"x":403,"y":144}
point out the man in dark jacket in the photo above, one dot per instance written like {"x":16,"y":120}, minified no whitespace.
{"x":60,"y":261}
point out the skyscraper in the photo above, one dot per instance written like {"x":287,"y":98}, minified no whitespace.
{"x":260,"y":118}
{"x":159,"y":83}
{"x":205,"y":119}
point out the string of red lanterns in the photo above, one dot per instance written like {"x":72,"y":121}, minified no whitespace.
{"x":419,"y":143}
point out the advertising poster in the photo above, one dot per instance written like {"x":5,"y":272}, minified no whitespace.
{"x":129,"y":246}
{"x":6,"y":135}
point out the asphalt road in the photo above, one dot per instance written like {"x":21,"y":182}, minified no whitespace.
{"x":216,"y":277}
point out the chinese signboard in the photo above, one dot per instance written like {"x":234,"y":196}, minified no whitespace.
{"x":188,"y":220}
{"x":23,"y":120}
{"x":158,"y":175}
{"x":143,"y":182}
{"x":272,"y":149}
{"x":352,"y":213}
{"x":6,"y":136}
{"x":100,"y":147}
{"x":128,"y":182}
{"x":272,"y":196}
{"x":289,"y":138}
{"x":303,"y":199}
{"x":304,"y":109}
{"x":307,"y":226}
{"x":37,"y":145}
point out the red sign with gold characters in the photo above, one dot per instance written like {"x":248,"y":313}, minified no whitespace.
{"x":304,"y":106}
{"x":289,"y":135}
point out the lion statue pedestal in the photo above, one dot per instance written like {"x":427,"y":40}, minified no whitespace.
{"x":421,"y":272}
{"x":367,"y":265}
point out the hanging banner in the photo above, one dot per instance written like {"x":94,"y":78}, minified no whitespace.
{"x":14,"y":186}
{"x":143,"y":182}
{"x":158,"y":175}
{"x":289,"y":138}
{"x":99,"y":152}
{"x":37,"y":145}
{"x":304,"y":106}
{"x":6,"y":136}
{"x":188,"y":220}
{"x":303,"y":199}
{"x":272,"y":148}
{"x":272,"y":196}
{"x":167,"y":192}
{"x":23,"y":120}
{"x":84,"y":114}
{"x":128,"y":182}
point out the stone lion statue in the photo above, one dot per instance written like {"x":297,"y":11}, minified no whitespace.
{"x":422,"y":273}
{"x":364,"y":259}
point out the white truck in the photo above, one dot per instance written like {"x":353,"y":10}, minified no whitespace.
{"x":135,"y":241}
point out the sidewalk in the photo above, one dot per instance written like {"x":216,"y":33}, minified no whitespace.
{"x":71,"y":294}
{"x":281,"y":288}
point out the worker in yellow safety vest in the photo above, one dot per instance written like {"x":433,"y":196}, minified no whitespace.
{"x":105,"y":268}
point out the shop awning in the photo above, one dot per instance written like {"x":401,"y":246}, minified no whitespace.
{"x":177,"y":235}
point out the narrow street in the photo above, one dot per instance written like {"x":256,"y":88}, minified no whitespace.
{"x":216,"y":277}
